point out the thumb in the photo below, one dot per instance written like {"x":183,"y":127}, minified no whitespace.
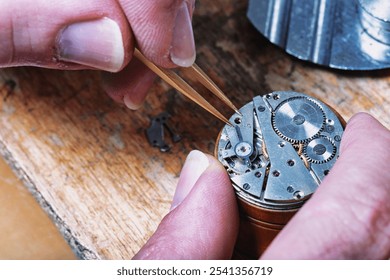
{"x":203,"y":221}
{"x":349,"y":215}
{"x":64,"y":34}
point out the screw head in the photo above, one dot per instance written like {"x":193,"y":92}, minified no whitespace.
{"x":243,"y":150}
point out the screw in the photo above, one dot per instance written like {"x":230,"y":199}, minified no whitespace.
{"x":243,"y":149}
{"x":330,"y":128}
{"x":326,"y":172}
{"x":319,"y":149}
{"x":246,"y":186}
{"x":299,"y":119}
{"x":298,"y":195}
{"x":290,"y":162}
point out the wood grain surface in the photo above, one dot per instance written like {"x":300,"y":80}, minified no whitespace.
{"x":86,"y":158}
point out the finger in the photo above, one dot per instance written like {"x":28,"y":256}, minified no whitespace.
{"x":131,"y":85}
{"x":163,"y":30}
{"x":64,"y":34}
{"x":204,"y":221}
{"x":349,"y":215}
{"x":196,"y":163}
{"x":164,"y":34}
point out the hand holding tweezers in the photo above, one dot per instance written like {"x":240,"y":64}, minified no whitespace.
{"x":184,"y":88}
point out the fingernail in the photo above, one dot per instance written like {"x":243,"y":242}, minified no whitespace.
{"x":96,"y":43}
{"x":183,"y":46}
{"x":194,"y":166}
{"x":127,"y":99}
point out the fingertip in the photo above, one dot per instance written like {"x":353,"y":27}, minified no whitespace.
{"x":167,"y":40}
{"x":203,"y":226}
{"x":203,"y":169}
{"x":363,"y":130}
{"x":213,"y":202}
{"x":345,"y":217}
{"x":182,"y":51}
{"x":196,"y":163}
{"x":361,"y":120}
{"x":131,"y":85}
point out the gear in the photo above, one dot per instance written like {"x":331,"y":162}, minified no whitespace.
{"x":231,"y":161}
{"x":243,"y":157}
{"x":290,"y":153}
{"x":320,"y":150}
{"x":298,"y":120}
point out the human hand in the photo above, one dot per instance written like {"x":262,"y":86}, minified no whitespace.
{"x":90,"y":34}
{"x":347,"y":218}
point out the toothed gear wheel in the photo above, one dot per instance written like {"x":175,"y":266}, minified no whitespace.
{"x":298,"y":120}
{"x":294,"y":141}
{"x":320,"y":150}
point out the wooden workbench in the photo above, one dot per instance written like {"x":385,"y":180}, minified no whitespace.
{"x":86,"y":158}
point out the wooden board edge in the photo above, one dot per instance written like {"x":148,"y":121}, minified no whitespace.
{"x":81,"y":251}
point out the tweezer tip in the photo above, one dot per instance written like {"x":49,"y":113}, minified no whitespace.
{"x":230,"y":124}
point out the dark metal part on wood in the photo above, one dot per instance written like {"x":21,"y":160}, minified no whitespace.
{"x":155,"y":133}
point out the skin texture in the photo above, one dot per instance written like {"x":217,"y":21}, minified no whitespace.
{"x":203,"y":226}
{"x":31,"y":29}
{"x":347,"y":218}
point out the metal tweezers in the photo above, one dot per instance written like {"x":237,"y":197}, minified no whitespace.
{"x":184,"y":88}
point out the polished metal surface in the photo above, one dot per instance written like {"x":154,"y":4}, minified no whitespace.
{"x":298,"y":120}
{"x":280,"y":148}
{"x":375,"y":18}
{"x":320,"y":150}
{"x":343,"y":34}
